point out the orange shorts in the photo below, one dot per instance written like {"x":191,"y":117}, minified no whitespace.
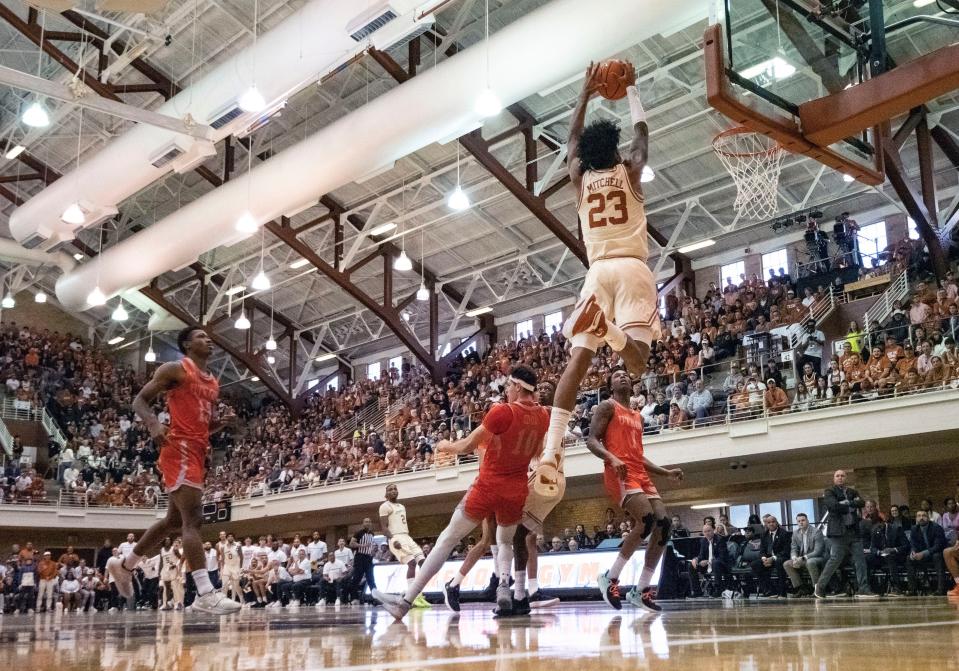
{"x":502,"y":499}
{"x":637,"y":482}
{"x":182,"y":462}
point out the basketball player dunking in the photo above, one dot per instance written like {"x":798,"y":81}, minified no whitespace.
{"x":191,"y":393}
{"x":513,"y":434}
{"x":616,"y":437}
{"x":618,"y":303}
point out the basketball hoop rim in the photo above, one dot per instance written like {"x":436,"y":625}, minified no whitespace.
{"x":743,"y":130}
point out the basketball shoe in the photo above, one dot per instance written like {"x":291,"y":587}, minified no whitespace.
{"x":122,"y":577}
{"x":451,"y":594}
{"x":644,"y":600}
{"x":216,"y":603}
{"x":394,"y":604}
{"x":609,"y":588}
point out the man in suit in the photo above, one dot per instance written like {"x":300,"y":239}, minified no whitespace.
{"x":888,"y":548}
{"x":774,"y":552}
{"x":713,"y":558}
{"x":927,"y":540}
{"x":806,"y":552}
{"x":843,"y":504}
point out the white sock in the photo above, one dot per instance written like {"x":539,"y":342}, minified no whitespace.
{"x":558,"y":421}
{"x":457,"y":579}
{"x":533,"y":585}
{"x":504,"y":557}
{"x":131,"y":560}
{"x":646,"y":577}
{"x":615,"y":337}
{"x":494,"y":550}
{"x":519,"y":586}
{"x":201,"y":579}
{"x":617,"y":567}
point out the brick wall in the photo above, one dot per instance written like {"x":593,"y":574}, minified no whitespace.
{"x":43,"y":316}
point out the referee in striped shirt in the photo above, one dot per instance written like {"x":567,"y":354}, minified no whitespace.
{"x":362,"y":543}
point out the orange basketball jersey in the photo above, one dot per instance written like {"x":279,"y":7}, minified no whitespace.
{"x":191,"y":403}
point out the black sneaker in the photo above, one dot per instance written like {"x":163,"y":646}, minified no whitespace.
{"x":609,"y":588}
{"x":521,"y":606}
{"x":489,"y":594}
{"x":452,"y":596}
{"x":539,"y":600}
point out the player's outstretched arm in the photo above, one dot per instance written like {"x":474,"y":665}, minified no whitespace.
{"x":470,"y":443}
{"x":602,"y":415}
{"x":639,"y":147}
{"x":578,"y":123}
{"x":165,"y":378}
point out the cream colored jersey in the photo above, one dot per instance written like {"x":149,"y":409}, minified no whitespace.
{"x":395,"y":514}
{"x":232,"y":557}
{"x":612,"y":216}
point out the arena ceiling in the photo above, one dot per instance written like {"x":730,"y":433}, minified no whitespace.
{"x":498,"y":253}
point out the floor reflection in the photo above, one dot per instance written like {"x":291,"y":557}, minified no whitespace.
{"x":891,"y":634}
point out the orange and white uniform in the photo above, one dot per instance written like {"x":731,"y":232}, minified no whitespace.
{"x":613,"y":220}
{"x":183,"y":454}
{"x":501,"y":487}
{"x":624,"y":439}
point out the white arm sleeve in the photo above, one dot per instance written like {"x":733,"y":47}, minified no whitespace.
{"x":636,"y":110}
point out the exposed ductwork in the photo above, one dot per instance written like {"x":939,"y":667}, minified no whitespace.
{"x":304,"y":47}
{"x":538,"y":50}
{"x":11,"y":251}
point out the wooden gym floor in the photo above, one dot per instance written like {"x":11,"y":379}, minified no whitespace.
{"x":902,"y":634}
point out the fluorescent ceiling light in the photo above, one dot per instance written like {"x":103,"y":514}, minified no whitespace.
{"x":299,"y":263}
{"x":254,"y":379}
{"x":848,"y":178}
{"x":14,"y":151}
{"x":383,"y":228}
{"x":326,"y":357}
{"x":709,"y":506}
{"x":40,"y":297}
{"x":235,"y":289}
{"x":774,"y":69}
{"x":922,"y":3}
{"x":78,"y":256}
{"x":114,"y":341}
{"x":479,"y":311}
{"x":702,"y":244}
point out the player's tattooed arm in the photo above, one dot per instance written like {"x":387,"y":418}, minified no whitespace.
{"x":479,"y":436}
{"x":602,"y":415}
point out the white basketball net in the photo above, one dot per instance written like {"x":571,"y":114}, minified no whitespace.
{"x":754,"y":161}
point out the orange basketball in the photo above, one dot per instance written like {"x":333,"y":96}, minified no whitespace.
{"x":610,"y":79}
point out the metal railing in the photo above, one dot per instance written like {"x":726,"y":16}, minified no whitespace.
{"x":6,"y":439}
{"x":74,"y":500}
{"x":11,"y":408}
{"x":881,"y":310}
{"x":53,"y":429}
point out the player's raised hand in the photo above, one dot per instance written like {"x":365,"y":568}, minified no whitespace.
{"x":617,"y":465}
{"x":676,"y":474}
{"x":629,"y":76}
{"x":591,"y":84}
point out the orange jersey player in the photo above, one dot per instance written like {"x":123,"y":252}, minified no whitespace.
{"x":616,"y":437}
{"x":513,"y":434}
{"x":192,"y":393}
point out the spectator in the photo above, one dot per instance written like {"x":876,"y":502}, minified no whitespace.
{"x":678,"y":529}
{"x":927,"y":542}
{"x":807,"y":550}
{"x":48,"y":575}
{"x":950,"y":520}
{"x":775,"y":399}
{"x":334,"y":572}
{"x":557,"y":545}
{"x":888,"y":549}
{"x":70,"y":591}
{"x":700,"y":402}
{"x":774,"y":552}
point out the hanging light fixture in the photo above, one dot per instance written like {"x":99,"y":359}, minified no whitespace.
{"x":488,"y":104}
{"x":271,"y":359}
{"x":96,"y":297}
{"x":150,"y":356}
{"x":252,"y":100}
{"x":8,"y":301}
{"x":74,"y":215}
{"x":36,"y":116}
{"x":422,"y":294}
{"x":458,"y":200}
{"x":271,"y":344}
{"x":403,"y":262}
{"x":246,"y":223}
{"x":647,"y":175}
{"x":40,"y":297}
{"x":261,"y":282}
{"x":242,"y":323}
{"x":120,"y":314}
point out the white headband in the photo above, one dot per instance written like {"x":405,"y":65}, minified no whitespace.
{"x":525,"y":385}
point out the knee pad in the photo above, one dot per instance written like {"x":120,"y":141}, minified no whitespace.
{"x":665,"y":524}
{"x":647,"y":529}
